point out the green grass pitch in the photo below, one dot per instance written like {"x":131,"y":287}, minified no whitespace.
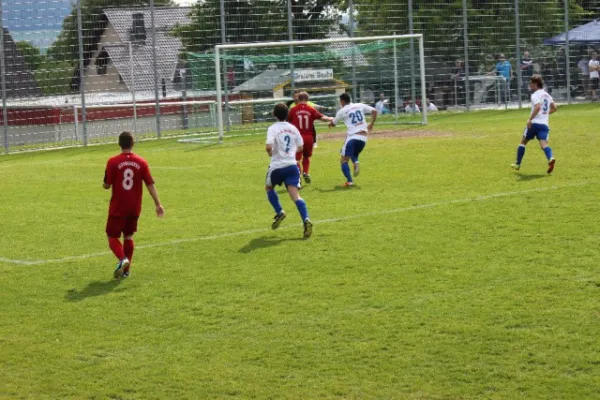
{"x":443,"y":275}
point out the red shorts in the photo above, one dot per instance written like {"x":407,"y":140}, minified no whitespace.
{"x":115,"y":226}
{"x":309,"y":142}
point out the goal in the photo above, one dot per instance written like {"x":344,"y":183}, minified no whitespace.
{"x":250,"y":78}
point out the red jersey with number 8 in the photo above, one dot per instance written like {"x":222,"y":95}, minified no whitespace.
{"x":126,"y":173}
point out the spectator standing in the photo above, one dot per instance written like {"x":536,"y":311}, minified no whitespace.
{"x":526,"y":74}
{"x":380,"y":105}
{"x":503,"y":69}
{"x":584,"y":74}
{"x":594,"y":66}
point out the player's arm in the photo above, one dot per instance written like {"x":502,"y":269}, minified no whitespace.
{"x":270,"y":142}
{"x":108,"y":177}
{"x":160,"y":211}
{"x":299,"y":142}
{"x":318,"y":116}
{"x":374,"y":114}
{"x":534,"y":113}
{"x":553,"y":108}
{"x":338,"y":117}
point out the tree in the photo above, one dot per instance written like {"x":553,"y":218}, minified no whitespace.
{"x":256,"y":21}
{"x":32,"y":55}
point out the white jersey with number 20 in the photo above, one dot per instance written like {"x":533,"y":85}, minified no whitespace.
{"x":285,"y":139}
{"x":541,"y":97}
{"x":355,"y":118}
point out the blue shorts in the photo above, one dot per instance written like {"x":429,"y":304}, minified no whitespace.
{"x":353,"y":148}
{"x":537,"y":131}
{"x":290,"y":176}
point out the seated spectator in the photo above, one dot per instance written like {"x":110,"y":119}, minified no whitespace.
{"x":430,"y":106}
{"x":412,"y":108}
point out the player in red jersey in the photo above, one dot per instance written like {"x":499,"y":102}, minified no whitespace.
{"x":303,"y":116}
{"x":124,"y":174}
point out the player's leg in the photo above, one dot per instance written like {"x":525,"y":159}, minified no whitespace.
{"x":359,"y":146}
{"x":273,"y":176}
{"x":521,"y":149}
{"x":128,"y":245}
{"x":347,"y":151}
{"x":543,"y":137}
{"x":114,"y":227}
{"x":306,"y":155}
{"x":301,"y":206}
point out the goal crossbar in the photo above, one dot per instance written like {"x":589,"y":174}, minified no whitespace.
{"x":221,"y":47}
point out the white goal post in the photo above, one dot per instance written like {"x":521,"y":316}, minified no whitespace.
{"x":219,"y":49}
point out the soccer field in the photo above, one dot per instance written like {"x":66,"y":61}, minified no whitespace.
{"x":443,"y":275}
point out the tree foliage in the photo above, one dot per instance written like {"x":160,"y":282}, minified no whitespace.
{"x":256,"y":21}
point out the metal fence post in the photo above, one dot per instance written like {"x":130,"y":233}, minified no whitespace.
{"x":224,"y":41}
{"x":466,"y":55}
{"x":351,"y":22}
{"x":291,"y":37}
{"x":81,"y":74}
{"x":518,"y":50}
{"x":3,"y":84}
{"x":411,"y":30}
{"x":155,"y":67}
{"x":567,"y":52}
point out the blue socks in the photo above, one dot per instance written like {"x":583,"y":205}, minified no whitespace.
{"x":346,"y":171}
{"x":548,"y":152}
{"x":301,"y":205}
{"x":274,"y":200}
{"x":520,"y":153}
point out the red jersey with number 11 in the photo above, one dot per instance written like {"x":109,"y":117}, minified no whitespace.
{"x":125,"y":173}
{"x":303,"y":117}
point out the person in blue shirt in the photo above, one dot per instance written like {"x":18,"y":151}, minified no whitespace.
{"x":503,"y":69}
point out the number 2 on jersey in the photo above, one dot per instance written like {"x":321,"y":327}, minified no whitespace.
{"x":287,"y":139}
{"x":128,"y":179}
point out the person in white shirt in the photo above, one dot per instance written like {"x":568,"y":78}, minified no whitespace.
{"x":354,"y":116}
{"x":542,"y":105}
{"x":283,"y":142}
{"x":380,"y":105}
{"x":584,"y":73}
{"x":594,"y":67}
{"x":430,"y":106}
{"x":412,"y":108}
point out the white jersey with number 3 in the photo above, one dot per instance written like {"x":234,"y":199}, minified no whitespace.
{"x":541,"y":97}
{"x":285,"y":139}
{"x":355,"y":118}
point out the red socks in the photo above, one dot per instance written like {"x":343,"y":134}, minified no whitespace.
{"x":128,"y":247}
{"x":116,"y":247}
{"x":305,"y":165}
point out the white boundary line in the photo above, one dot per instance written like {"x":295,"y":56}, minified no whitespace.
{"x":324,"y":221}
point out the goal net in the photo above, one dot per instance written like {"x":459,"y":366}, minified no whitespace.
{"x":386,"y":72}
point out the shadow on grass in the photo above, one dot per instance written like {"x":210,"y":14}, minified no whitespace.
{"x":526,"y":178}
{"x":265,"y":242}
{"x":338,"y":188}
{"x":93,"y":289}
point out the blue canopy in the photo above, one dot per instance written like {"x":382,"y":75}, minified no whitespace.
{"x":583,"y":34}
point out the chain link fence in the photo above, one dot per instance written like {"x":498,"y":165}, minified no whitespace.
{"x":77,"y":72}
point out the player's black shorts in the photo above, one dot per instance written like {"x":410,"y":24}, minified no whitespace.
{"x":595,"y":83}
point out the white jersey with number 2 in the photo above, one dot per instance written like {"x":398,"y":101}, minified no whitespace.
{"x":541,"y":97}
{"x":355,"y":117}
{"x":285,"y":139}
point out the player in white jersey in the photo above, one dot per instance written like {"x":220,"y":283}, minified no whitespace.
{"x":354,"y":116}
{"x":283,"y":142}
{"x":542,"y":105}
